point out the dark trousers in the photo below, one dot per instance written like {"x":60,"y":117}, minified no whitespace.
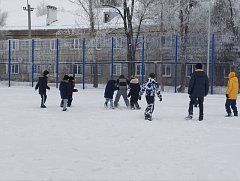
{"x":200,"y":101}
{"x":150,"y":106}
{"x":230,"y":103}
{"x":43,"y":98}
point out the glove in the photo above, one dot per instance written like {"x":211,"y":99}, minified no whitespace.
{"x":227,"y":96}
{"x":190,"y":96}
{"x":160,"y":98}
{"x":139,"y":98}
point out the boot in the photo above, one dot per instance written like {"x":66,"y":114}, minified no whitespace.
{"x":228,"y":115}
{"x":236,"y":114}
{"x":200,"y":118}
{"x":190,"y":116}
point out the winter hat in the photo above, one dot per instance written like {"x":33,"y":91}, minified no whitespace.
{"x":66,"y":77}
{"x":198,"y":66}
{"x":132,"y":76}
{"x":231,"y":75}
{"x":152,"y":75}
{"x":71,"y":78}
{"x":45,"y":72}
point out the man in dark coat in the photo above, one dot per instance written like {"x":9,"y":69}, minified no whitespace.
{"x":42,"y":86}
{"x":64,"y":91}
{"x":197,"y":90}
{"x":134,"y":92}
{"x":109,"y":91}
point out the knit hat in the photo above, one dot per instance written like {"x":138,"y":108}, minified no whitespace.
{"x":45,"y":72}
{"x":198,"y":66}
{"x":66,"y":77}
{"x":152,"y":75}
{"x":132,"y":76}
{"x":71,"y":78}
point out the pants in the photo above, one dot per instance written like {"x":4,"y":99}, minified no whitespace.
{"x":109,"y":100}
{"x":200,"y":101}
{"x":230,"y":103}
{"x":43,"y":98}
{"x":119,"y":94}
{"x":134,"y":102}
{"x":65,"y":103}
{"x":150,"y":106}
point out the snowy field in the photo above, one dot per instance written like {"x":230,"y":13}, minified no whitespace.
{"x":89,"y":142}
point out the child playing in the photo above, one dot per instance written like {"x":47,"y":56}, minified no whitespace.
{"x":109,"y":91}
{"x":151,"y":88}
{"x":42,"y":86}
{"x":64,"y":91}
{"x":231,"y":95}
{"x":72,"y":89}
{"x":134,"y":93}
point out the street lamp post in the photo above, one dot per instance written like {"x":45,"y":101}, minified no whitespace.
{"x":28,"y":9}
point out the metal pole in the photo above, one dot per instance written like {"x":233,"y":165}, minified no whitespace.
{"x":213,"y":60}
{"x":175,"y":66}
{"x":209,"y":36}
{"x":57,"y":61}
{"x":32,"y":62}
{"x":83,"y":63}
{"x":112,"y":59}
{"x":143,"y":58}
{"x":9,"y":63}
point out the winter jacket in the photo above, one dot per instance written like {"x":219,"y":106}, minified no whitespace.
{"x":122,"y":83}
{"x":198,"y":84}
{"x":64,"y":89}
{"x":134,"y":89}
{"x":110,"y":88}
{"x":42,"y":85}
{"x":151,"y":88}
{"x":232,"y":86}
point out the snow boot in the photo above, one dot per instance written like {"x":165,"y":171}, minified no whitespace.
{"x":236,"y":114}
{"x":43,"y":106}
{"x":105,"y":105}
{"x":228,"y":115}
{"x":189,"y":117}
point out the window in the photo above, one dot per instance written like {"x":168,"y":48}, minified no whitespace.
{"x":99,"y":69}
{"x":106,"y":17}
{"x":76,"y":69}
{"x":14,"y":44}
{"x":189,"y":69}
{"x":14,"y":68}
{"x":76,"y":43}
{"x":166,"y":41}
{"x":138,"y":69}
{"x":37,"y":44}
{"x":166,"y":70}
{"x":226,"y":70}
{"x":117,"y":42}
{"x":99,"y":43}
{"x":111,"y":2}
{"x":37,"y":68}
{"x":53,"y":44}
{"x":117,"y":69}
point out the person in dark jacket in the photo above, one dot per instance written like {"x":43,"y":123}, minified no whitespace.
{"x":122,"y":84}
{"x":150,"y":87}
{"x":134,"y":93}
{"x":42,"y":86}
{"x":71,"y":82}
{"x":108,"y":94}
{"x":197,"y":90}
{"x":64,"y":91}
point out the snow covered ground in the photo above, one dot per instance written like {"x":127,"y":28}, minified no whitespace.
{"x":89,"y":142}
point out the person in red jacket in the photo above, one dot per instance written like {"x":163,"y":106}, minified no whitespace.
{"x":231,"y":95}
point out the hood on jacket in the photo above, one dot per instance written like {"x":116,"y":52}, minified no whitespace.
{"x":231,"y":75}
{"x":134,"y":81}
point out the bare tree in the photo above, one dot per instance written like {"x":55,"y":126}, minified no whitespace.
{"x":89,"y":7}
{"x":133,"y":19}
{"x":41,"y":9}
{"x":3,"y":17}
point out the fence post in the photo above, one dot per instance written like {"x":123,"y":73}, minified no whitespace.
{"x":112,"y":58}
{"x":83,"y":63}
{"x":213,"y":59}
{"x":9,"y":63}
{"x":175,"y":65}
{"x":33,"y":61}
{"x":57,"y":61}
{"x":143,"y":58}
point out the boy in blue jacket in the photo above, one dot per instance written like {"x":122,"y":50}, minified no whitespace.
{"x":64,"y":91}
{"x":109,"y":91}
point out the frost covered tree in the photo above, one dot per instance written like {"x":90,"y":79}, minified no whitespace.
{"x":89,"y":7}
{"x":133,"y":14}
{"x":41,"y":9}
{"x":3,"y":17}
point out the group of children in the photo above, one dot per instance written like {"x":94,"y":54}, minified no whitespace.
{"x":150,"y":87}
{"x":66,"y":89}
